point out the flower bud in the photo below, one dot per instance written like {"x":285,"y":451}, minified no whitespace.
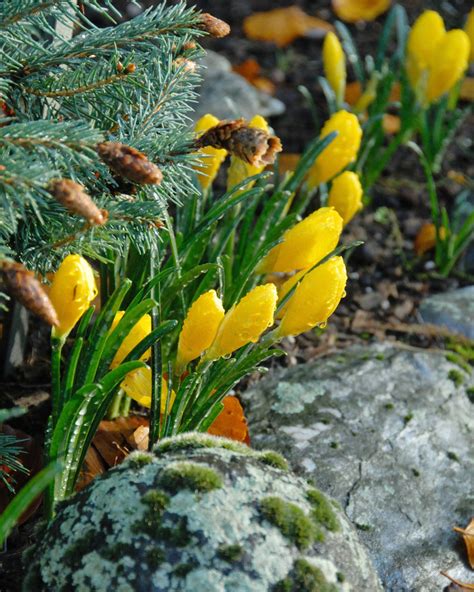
{"x":239,"y":170}
{"x":141,"y":330}
{"x":334,"y":62}
{"x":448,"y":64}
{"x":306,"y":243}
{"x":345,"y":195}
{"x":469,"y":28}
{"x":199,"y":328}
{"x":315,"y":299}
{"x":212,"y":158}
{"x":71,"y":292}
{"x":137,"y":385}
{"x":359,"y":10}
{"x":245,"y":322}
{"x":340,"y":152}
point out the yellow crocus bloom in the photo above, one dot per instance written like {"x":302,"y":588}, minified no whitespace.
{"x":141,"y":330}
{"x":212,"y":158}
{"x":315,"y":298}
{"x":199,"y":328}
{"x":359,"y":10}
{"x":245,"y":322}
{"x":334,"y":62}
{"x":448,"y":64}
{"x":137,"y":385}
{"x":240,"y":170}
{"x":345,"y":195}
{"x":72,"y":290}
{"x":469,"y":28}
{"x":341,"y":151}
{"x":306,"y":243}
{"x":425,"y":34}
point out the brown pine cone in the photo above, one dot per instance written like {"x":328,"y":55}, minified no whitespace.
{"x":24,"y":287}
{"x":213,"y":26}
{"x":129,"y":163}
{"x":73,"y":197}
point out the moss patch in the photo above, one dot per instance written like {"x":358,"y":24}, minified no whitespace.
{"x":182,"y":569}
{"x":140,"y":459}
{"x":179,"y":535}
{"x":150,"y":524}
{"x":456,"y":376}
{"x":73,"y":554}
{"x":321,"y":510}
{"x":304,"y":577}
{"x":470,"y":394}
{"x":274,"y":459}
{"x":195,"y":441}
{"x":230,"y":553}
{"x":291,"y":520}
{"x":188,"y":475}
{"x":115,"y":552}
{"x":154,"y":557}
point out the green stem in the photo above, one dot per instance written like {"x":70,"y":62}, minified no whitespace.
{"x":57,"y":344}
{"x":125,"y":407}
{"x":114,"y":409}
{"x":156,"y":362}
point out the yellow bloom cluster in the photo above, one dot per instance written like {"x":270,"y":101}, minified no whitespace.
{"x":341,"y":151}
{"x":359,"y":10}
{"x":334,"y":62}
{"x":137,"y":385}
{"x":240,"y":170}
{"x":72,"y":290}
{"x":137,"y":333}
{"x":436,"y":59}
{"x":469,"y":28}
{"x":345,"y":195}
{"x":210,"y":158}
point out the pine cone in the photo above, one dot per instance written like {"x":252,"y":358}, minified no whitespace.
{"x":73,"y":197}
{"x":252,"y":145}
{"x":213,"y":26}
{"x":24,"y":287}
{"x":129,"y":163}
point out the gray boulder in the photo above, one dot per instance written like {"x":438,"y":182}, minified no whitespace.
{"x":389,"y":433}
{"x":200,"y":514}
{"x":453,"y":310}
{"x":227,"y":95}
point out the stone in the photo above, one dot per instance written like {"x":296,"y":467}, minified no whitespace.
{"x":453,"y":310}
{"x":228,"y":95}
{"x":200,"y":514}
{"x":388,"y":433}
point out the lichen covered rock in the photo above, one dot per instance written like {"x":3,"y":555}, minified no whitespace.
{"x":200,"y":514}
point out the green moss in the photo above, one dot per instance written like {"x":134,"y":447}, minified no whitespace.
{"x":380,"y":357}
{"x":291,"y":520}
{"x":74,"y":553}
{"x":340,"y":577}
{"x":182,"y":569}
{"x":408,"y":417}
{"x":188,"y":475}
{"x":334,"y":444}
{"x":325,"y":421}
{"x":304,"y":577}
{"x":321,"y":510}
{"x":389,"y":406}
{"x":140,"y":459}
{"x":230,"y":553}
{"x":416,"y":472}
{"x":363,"y":527}
{"x":459,"y":361}
{"x":154,"y":557}
{"x":456,"y":376}
{"x":179,"y":535}
{"x":470,"y":393}
{"x":115,"y":552}
{"x":274,"y":459}
{"x":452,"y":456}
{"x":195,"y":441}
{"x":156,"y":502}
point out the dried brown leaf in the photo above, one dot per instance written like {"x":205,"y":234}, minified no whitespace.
{"x":468,"y":538}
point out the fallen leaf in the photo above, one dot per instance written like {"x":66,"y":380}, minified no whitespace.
{"x":462,"y":587}
{"x":250,"y":70}
{"x":282,"y":25}
{"x":265,"y":85}
{"x":231,"y":422}
{"x":468,"y":537}
{"x":391,"y":124}
{"x":426,"y":238}
{"x":467,"y":89}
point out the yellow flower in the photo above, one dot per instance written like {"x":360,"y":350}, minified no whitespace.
{"x":346,"y":195}
{"x":199,"y":328}
{"x":315,"y":299}
{"x":448,"y":64}
{"x":306,"y":243}
{"x":245,"y":322}
{"x":240,"y":170}
{"x":71,"y":292}
{"x":137,"y":385}
{"x":212,"y":158}
{"x":359,"y":10}
{"x":334,"y":62}
{"x":141,"y":330}
{"x":469,"y":28}
{"x":340,"y":152}
{"x":425,"y":34}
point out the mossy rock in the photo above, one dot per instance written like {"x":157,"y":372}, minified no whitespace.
{"x":201,"y":515}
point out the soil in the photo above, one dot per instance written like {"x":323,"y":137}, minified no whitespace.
{"x":387,"y":280}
